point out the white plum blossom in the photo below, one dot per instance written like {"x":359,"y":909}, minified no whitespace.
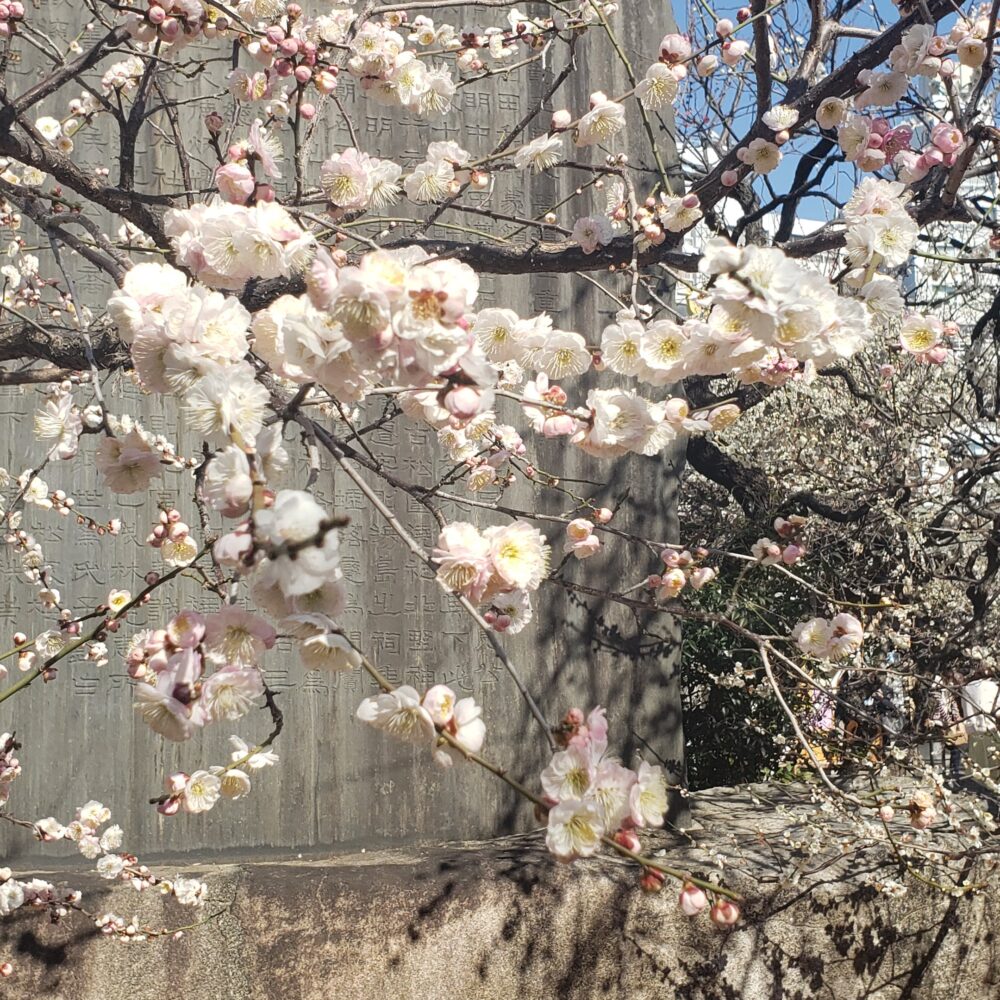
{"x":591,"y":232}
{"x":658,"y":88}
{"x":400,"y":714}
{"x":540,"y":153}
{"x":604,"y":121}
{"x":574,"y":829}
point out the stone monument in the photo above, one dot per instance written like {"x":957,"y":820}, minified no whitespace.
{"x":340,"y":784}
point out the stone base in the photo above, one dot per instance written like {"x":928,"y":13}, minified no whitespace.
{"x":502,"y":921}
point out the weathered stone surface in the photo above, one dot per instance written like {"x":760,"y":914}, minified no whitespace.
{"x":502,"y":921}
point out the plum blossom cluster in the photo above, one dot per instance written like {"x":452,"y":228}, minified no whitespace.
{"x":224,"y":245}
{"x":970,"y":35}
{"x":35,"y":893}
{"x":581,"y":542}
{"x":175,"y":23}
{"x":190,"y":341}
{"x":484,"y":445}
{"x":498,"y":567}
{"x":682,"y":568}
{"x":11,"y":13}
{"x":173,"y":693}
{"x":199,"y":791}
{"x":173,"y":538}
{"x":591,"y":795}
{"x":838,"y":638}
{"x":423,"y":722}
{"x":291,"y":550}
{"x":764,"y":317}
{"x":789,"y":547}
{"x":102,"y":847}
{"x":397,"y":317}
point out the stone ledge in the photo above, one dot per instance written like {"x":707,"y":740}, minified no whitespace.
{"x":502,"y":920}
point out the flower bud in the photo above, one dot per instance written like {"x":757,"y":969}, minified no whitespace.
{"x":707,"y":65}
{"x":651,"y":881}
{"x":692,"y":900}
{"x":725,"y":913}
{"x":628,"y":840}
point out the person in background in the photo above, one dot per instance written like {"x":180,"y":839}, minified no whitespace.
{"x":945,"y":720}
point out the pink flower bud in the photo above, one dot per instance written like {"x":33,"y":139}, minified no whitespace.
{"x":932,"y":156}
{"x":170,"y":29}
{"x":178,"y":532}
{"x":886,"y":813}
{"x":653,"y":581}
{"x":307,"y":110}
{"x":169,"y":808}
{"x":502,"y":623}
{"x":725,"y":913}
{"x":675,"y":48}
{"x":603,"y":516}
{"x":743,"y":14}
{"x":791,"y":554}
{"x":303,"y":74}
{"x":730,"y":178}
{"x":628,"y":840}
{"x":462,"y":401}
{"x":692,"y":900}
{"x":670,"y":557}
{"x":733,"y":52}
{"x":723,"y":27}
{"x":651,"y":881}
